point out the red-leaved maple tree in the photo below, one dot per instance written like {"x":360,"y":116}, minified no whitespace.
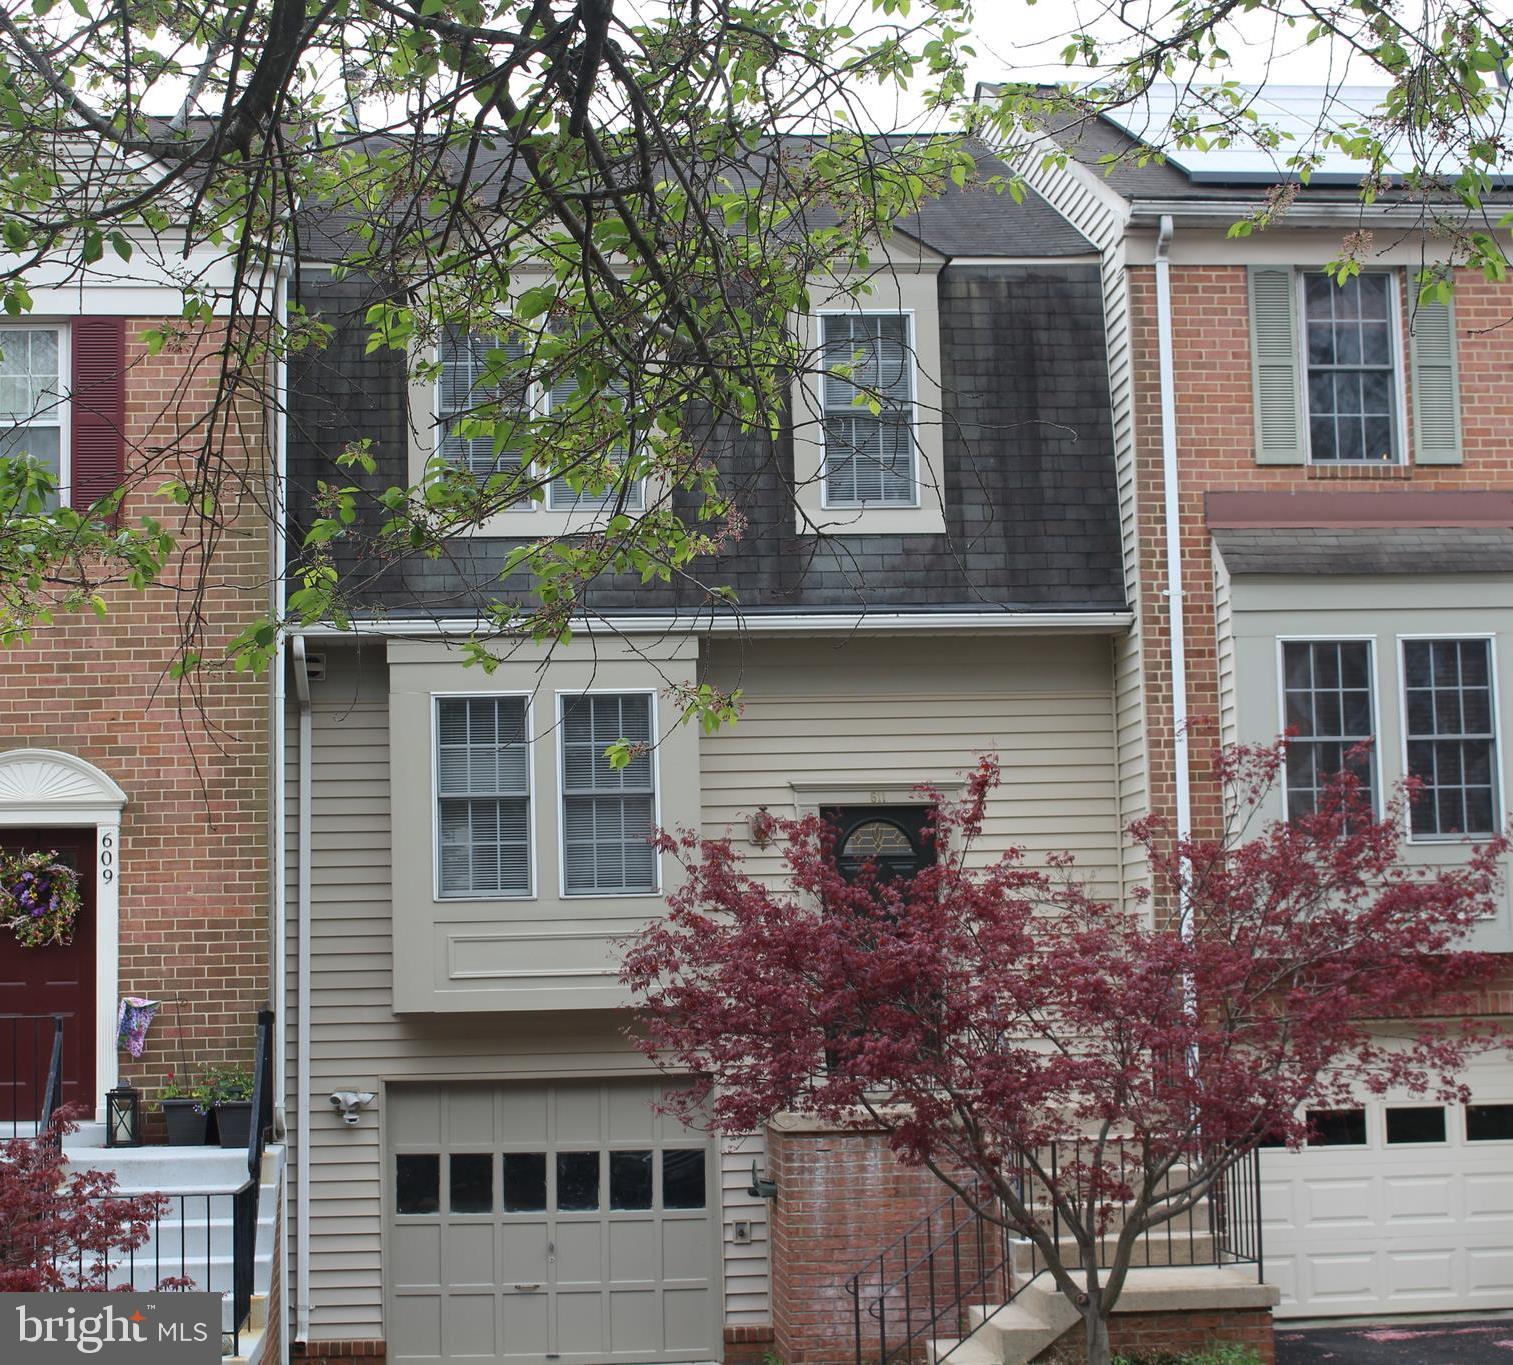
{"x":64,"y":1229}
{"x":985,"y":1013}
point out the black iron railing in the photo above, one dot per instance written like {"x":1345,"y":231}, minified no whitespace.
{"x":205,"y":1241}
{"x":262,"y":1095}
{"x":31,"y":1072}
{"x":924,"y":1285}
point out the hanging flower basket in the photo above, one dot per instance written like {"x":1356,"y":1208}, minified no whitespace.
{"x":39,"y":898}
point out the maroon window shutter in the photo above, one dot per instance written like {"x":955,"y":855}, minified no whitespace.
{"x":97,"y":410}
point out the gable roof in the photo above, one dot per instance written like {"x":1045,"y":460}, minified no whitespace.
{"x":1110,"y":147}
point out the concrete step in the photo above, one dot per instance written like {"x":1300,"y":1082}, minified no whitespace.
{"x":972,"y":1351}
{"x":1156,"y":1250}
{"x":176,"y":1170}
{"x":1020,"y":1331}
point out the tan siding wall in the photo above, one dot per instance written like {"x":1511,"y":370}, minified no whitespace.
{"x":867,"y":713}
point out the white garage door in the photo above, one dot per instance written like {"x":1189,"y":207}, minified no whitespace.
{"x":1400,"y":1207}
{"x":561,"y":1221}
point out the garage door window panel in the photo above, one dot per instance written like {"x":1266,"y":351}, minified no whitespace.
{"x":683,"y":1179}
{"x":417,"y":1184}
{"x":577,"y":1182}
{"x":471,"y":1182}
{"x":1336,"y":1127}
{"x":630,"y":1180}
{"x":1415,"y":1123}
{"x":1489,"y":1123}
{"x":525,"y":1182}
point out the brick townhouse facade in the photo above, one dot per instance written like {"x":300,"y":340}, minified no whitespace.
{"x":158,"y":790}
{"x":1319,"y":477}
{"x":155,"y":790}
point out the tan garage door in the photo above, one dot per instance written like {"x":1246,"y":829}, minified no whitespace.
{"x":561,"y":1221}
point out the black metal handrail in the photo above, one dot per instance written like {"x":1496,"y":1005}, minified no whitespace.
{"x":262,"y":1094}
{"x":186,"y":1250}
{"x":31,"y":1072}
{"x":928,"y":1279}
{"x":955,"y":1258}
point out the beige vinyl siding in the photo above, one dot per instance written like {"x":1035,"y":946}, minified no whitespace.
{"x":1101,"y":216}
{"x":817,"y":713}
{"x":358,"y":1043}
{"x":880,"y":716}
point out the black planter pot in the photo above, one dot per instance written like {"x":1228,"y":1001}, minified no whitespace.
{"x":234,"y":1120}
{"x":187,"y":1126}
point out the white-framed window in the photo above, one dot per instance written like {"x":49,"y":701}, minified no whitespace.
{"x":483,"y":797}
{"x":1328,"y":705}
{"x":1353,"y":389}
{"x":609,"y":814}
{"x":1450,"y":737}
{"x":463,"y":384}
{"x":33,"y":398}
{"x":870,"y":457}
{"x":560,"y":495}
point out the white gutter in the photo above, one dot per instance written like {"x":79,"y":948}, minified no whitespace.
{"x":733,"y":623}
{"x":1171,"y":493}
{"x":302,"y":990}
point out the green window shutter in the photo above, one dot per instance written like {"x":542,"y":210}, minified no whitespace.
{"x":1276,"y":382}
{"x":1436,"y":388}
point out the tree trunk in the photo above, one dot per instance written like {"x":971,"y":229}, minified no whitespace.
{"x":1095,"y":1327}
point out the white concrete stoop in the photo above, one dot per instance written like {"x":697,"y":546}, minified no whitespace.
{"x":199,"y":1247}
{"x":1040,"y":1314}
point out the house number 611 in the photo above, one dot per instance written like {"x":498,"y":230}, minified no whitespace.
{"x":107,"y":857}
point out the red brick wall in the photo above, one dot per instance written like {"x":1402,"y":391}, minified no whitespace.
{"x":329,"y":1352}
{"x":748,"y":1345}
{"x":1156,"y":1334}
{"x":1216,"y":452}
{"x":193,"y":760}
{"x":842,"y":1198}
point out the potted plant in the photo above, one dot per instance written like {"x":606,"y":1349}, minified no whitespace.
{"x":228,"y":1092}
{"x":185,"y":1112}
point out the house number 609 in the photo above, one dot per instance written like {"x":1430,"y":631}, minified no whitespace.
{"x":107,"y":857}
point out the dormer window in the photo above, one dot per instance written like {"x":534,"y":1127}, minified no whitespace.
{"x":466,"y":388}
{"x":868,"y":399}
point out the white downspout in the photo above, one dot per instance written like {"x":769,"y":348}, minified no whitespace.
{"x":1171,"y":493}
{"x":276,"y":595}
{"x":279,"y":940}
{"x":302,"y":990}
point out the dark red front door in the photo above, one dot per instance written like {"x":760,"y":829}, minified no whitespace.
{"x":47,"y":981}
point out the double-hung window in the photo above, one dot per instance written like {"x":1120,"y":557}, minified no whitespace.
{"x":1351,"y":354}
{"x":561,"y":495}
{"x":608,"y":813}
{"x":481,"y":383}
{"x":1451,"y":737}
{"x":1327,"y":707}
{"x":868,"y":400}
{"x":33,"y":411}
{"x":483,"y":796}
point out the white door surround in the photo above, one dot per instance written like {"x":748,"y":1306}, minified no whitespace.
{"x":47,"y":787}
